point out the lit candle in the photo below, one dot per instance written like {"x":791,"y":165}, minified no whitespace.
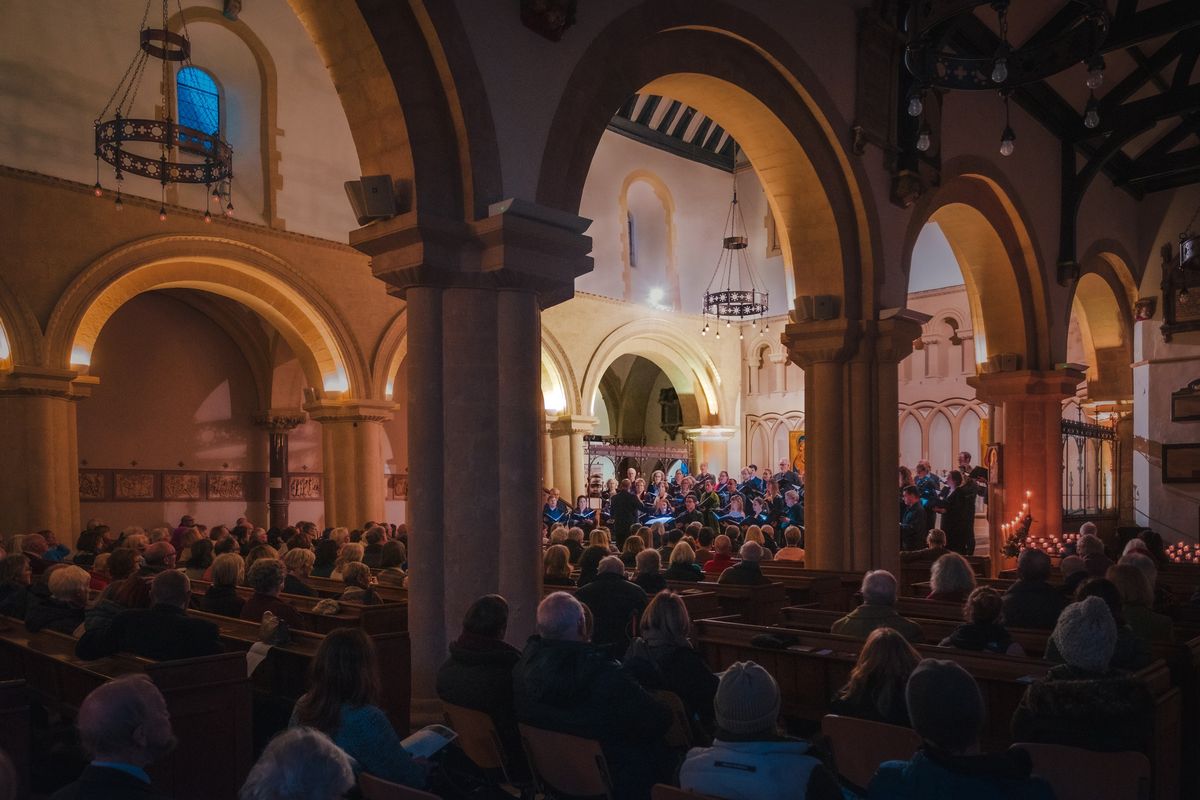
{"x":1028,"y":494}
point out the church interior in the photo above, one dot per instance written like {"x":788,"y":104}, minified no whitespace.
{"x":670,"y":398}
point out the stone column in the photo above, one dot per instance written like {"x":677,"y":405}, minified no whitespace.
{"x":278,"y":423}
{"x":40,"y":487}
{"x":1028,"y":408}
{"x":711,"y":446}
{"x":547,"y":453}
{"x":352,"y":459}
{"x":570,"y":466}
{"x":1125,"y":504}
{"x":475,"y":411}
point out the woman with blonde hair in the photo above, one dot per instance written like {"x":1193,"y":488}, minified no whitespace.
{"x":952,"y":579}
{"x":754,"y":534}
{"x":875,"y":690}
{"x":228,"y":571}
{"x":351,"y":552}
{"x":683,"y":566}
{"x":662,"y":659}
{"x":633,"y":546}
{"x":556,"y":566}
{"x":340,"y":535}
{"x":598,"y":548}
{"x":260,"y":552}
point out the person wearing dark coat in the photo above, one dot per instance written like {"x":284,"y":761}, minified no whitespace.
{"x":125,"y":727}
{"x":623,"y":508}
{"x":747,"y":572}
{"x":590,"y":560}
{"x":615,"y":604}
{"x":479,"y":675}
{"x":222,"y":597}
{"x":373,"y":552}
{"x":649,"y":575}
{"x":564,"y":683}
{"x":15,"y":578}
{"x":163,"y":632}
{"x":1032,"y":602}
{"x":913,"y":525}
{"x":1084,"y":702}
{"x":958,"y":514}
{"x":64,"y":609}
{"x":982,"y":631}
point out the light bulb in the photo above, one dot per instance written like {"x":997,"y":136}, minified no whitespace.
{"x":1000,"y":70}
{"x":97,"y":189}
{"x":728,"y":323}
{"x":767,"y":328}
{"x":1006,"y":142}
{"x":741,"y":335}
{"x":1095,"y":75}
{"x":207,"y":217}
{"x":1091,"y":113}
{"x":923,"y":140}
{"x":119,"y":205}
{"x":216,"y":196}
{"x":718,"y":334}
{"x":229,"y":210}
{"x":162,"y":213}
{"x":704,"y":330}
{"x":915,"y":106}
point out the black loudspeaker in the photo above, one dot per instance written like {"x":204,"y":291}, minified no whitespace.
{"x":818,"y":307}
{"x":372,"y":197}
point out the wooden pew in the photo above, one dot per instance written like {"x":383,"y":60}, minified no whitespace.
{"x":386,"y":617}
{"x":700,"y":603}
{"x":755,"y":604}
{"x":326,"y":587}
{"x":841,"y":598}
{"x":14,"y":730}
{"x":810,"y":671}
{"x":208,"y":699}
{"x":284,"y":672}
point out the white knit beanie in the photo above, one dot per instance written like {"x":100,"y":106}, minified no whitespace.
{"x":747,"y":700}
{"x":1086,"y":635}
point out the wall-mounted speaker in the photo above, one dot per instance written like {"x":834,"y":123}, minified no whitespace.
{"x":372,"y":197}
{"x":818,"y":307}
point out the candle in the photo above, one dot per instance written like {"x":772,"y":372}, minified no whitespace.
{"x":1028,"y":494}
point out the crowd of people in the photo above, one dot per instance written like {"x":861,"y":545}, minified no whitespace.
{"x":611,"y":659}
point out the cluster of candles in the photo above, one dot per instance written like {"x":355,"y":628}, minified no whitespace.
{"x":1183,"y":553}
{"x":1019,"y":521}
{"x":1051,"y":547}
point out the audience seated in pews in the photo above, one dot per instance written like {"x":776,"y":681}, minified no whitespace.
{"x":351,"y":553}
{"x":228,"y":571}
{"x":704,"y":545}
{"x":87,"y":547}
{"x":1084,"y":702}
{"x":722,"y":556}
{"x":791,"y":551}
{"x":662,"y":659}
{"x":63,"y":610}
{"x":479,"y":672}
{"x":1131,"y":653}
{"x":159,"y":556}
{"x":875,"y":690}
{"x":260,"y":552}
{"x":952,"y":579}
{"x":1137,"y":598}
{"x":672,"y":538}
{"x":357,"y":578}
{"x":299,"y":764}
{"x":1074,"y":573}
{"x":877,"y":611}
{"x":597,"y":549}
{"x":34,"y":547}
{"x":683,"y":566}
{"x":162,"y":632}
{"x":125,"y":727}
{"x":1162,"y":596}
{"x":373,"y":551}
{"x":326,"y":552}
{"x":266,"y":578}
{"x":343,"y":703}
{"x":983,"y":631}
{"x":746,"y":572}
{"x":574,"y":544}
{"x":947,"y":713}
{"x":615,"y":602}
{"x":649,"y":572}
{"x":1091,"y":550}
{"x":122,"y":564}
{"x":556,"y":566}
{"x":15,"y":579}
{"x":100,"y":574}
{"x":754,"y":534}
{"x":1032,"y":602}
{"x":629,"y":551}
{"x":564,"y":683}
{"x":935,"y":548}
{"x":299,"y":563}
{"x":393,"y":564}
{"x":200,"y":558}
{"x":748,"y":758}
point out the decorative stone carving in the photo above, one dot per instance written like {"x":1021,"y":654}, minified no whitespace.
{"x":182,"y":486}
{"x":226,"y":486}
{"x":134,"y":485}
{"x":304,"y":487}
{"x":93,"y":484}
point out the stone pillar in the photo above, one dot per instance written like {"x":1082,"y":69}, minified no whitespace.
{"x":711,"y":446}
{"x":547,"y":454}
{"x":570,"y":465}
{"x":1027,"y":422}
{"x":40,"y":487}
{"x":1125,"y":503}
{"x":852,"y":438}
{"x":475,"y":412}
{"x":352,"y":459}
{"x":278,"y":423}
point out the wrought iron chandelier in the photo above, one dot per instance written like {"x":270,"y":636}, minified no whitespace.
{"x":184,"y":155}
{"x":734,"y":292}
{"x":934,"y":64}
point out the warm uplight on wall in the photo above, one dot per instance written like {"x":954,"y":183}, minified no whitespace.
{"x":554,"y":400}
{"x":336,"y":382}
{"x":656,"y":296}
{"x":5,"y":347}
{"x":80,"y":357}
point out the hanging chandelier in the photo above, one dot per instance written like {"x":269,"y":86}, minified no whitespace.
{"x":934,"y":64}
{"x":160,"y":148}
{"x":734,"y":292}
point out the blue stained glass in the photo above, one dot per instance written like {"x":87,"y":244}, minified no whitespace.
{"x":198,"y":100}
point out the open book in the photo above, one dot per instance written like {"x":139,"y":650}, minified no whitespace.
{"x":429,"y":740}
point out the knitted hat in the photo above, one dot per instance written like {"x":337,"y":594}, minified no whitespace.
{"x":747,"y":700}
{"x":944,"y":704}
{"x":1086,"y":635}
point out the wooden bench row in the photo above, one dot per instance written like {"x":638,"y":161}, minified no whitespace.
{"x":387,"y":617}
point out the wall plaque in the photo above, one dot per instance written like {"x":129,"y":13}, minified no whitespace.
{"x":93,"y":485}
{"x":182,"y":486}
{"x":226,"y":486}
{"x":129,"y":484}
{"x":304,"y":487}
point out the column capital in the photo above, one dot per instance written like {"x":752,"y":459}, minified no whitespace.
{"x":1025,"y":385}
{"x":46,"y":382}
{"x":816,"y":341}
{"x":892,"y":335}
{"x":520,"y":245}
{"x":354,"y":411}
{"x":567,"y":424}
{"x":279,"y":420}
{"x":710,"y":433}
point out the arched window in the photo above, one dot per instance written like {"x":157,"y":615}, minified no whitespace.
{"x":198,"y":100}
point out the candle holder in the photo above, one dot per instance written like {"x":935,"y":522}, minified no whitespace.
{"x":1018,"y":535}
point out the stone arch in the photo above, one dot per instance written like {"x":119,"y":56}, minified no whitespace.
{"x":268,"y":78}
{"x":20,"y":334}
{"x":240,"y":272}
{"x":663,"y":193}
{"x":738,"y":71}
{"x":1100,"y":301}
{"x":998,"y":259}
{"x":690,"y":370}
{"x":388,"y":57}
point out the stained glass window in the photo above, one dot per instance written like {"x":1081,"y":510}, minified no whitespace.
{"x":198,"y":100}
